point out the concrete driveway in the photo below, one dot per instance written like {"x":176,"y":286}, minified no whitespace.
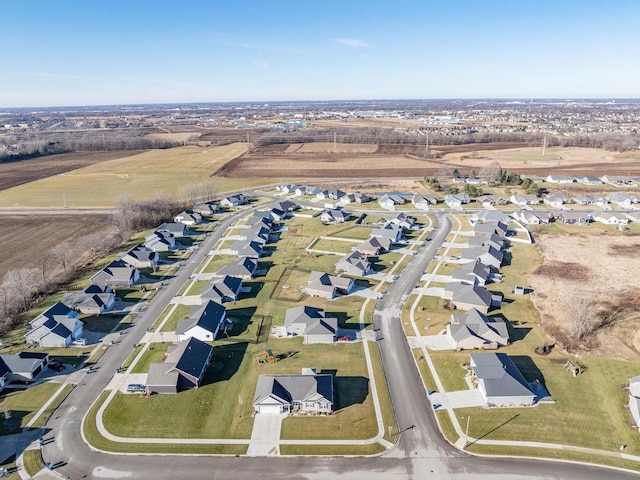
{"x":432,"y":342}
{"x":457,"y":399}
{"x":265,"y":436}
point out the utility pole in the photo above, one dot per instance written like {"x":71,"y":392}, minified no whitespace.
{"x":544,"y":145}
{"x":426,"y":147}
{"x":466,"y":435}
{"x":334,"y":141}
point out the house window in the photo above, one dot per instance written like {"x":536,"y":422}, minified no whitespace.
{"x":309,"y":404}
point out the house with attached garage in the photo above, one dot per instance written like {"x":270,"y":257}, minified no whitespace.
{"x":307,"y":190}
{"x":466,"y":297}
{"x":574,"y":217}
{"x":203,"y":322}
{"x":307,"y":393}
{"x":489,"y":216}
{"x":244,"y":268}
{"x":334,"y":216}
{"x":183,"y":368}
{"x":499,"y":381}
{"x":487,"y":255}
{"x":206,"y":208}
{"x":623,"y":200}
{"x":117,"y":274}
{"x":312,"y":323}
{"x":287,"y":188}
{"x":188,"y":217}
{"x":490,"y":200}
{"x":222,"y":289}
{"x":355,"y":264}
{"x":234,"y":201}
{"x":58,"y":326}
{"x":174,"y":229}
{"x":391,"y":231}
{"x":141,"y":257}
{"x":389,"y":201}
{"x":160,"y":242}
{"x":610,"y":218}
{"x":424,"y":202}
{"x":374,"y":246}
{"x":93,"y":300}
{"x":287,"y":206}
{"x":634,"y":216}
{"x":247,"y":248}
{"x":403,"y":220}
{"x":357,"y":198}
{"x":556,"y":199}
{"x":489,"y":228}
{"x":494,"y":241}
{"x":456,"y":201}
{"x":474,"y":330}
{"x":323,"y":285}
{"x":21,"y":367}
{"x":590,"y":200}
{"x":560,"y":179}
{"x":522,"y":200}
{"x":472,"y":273}
{"x":533,"y":217}
{"x":589,"y":180}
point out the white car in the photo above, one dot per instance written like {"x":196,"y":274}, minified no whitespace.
{"x":80,"y":342}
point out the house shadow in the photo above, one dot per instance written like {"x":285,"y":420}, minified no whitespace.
{"x":242,"y":319}
{"x":343,"y":320}
{"x":362,"y":284}
{"x":376,"y":264}
{"x":349,"y":391}
{"x":507,"y":257}
{"x":265,"y":264}
{"x":255,"y":289}
{"x":515,"y":334}
{"x":528,"y":368}
{"x":28,"y":436}
{"x":225,"y":362}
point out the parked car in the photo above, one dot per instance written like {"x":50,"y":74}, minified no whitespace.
{"x":136,"y":388}
{"x":57,"y":366}
{"x":80,"y":341}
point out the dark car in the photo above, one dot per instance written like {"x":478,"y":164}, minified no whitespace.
{"x":57,"y":366}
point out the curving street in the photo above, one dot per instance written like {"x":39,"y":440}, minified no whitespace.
{"x":420,"y":451}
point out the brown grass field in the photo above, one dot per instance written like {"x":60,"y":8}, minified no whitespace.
{"x":25,"y":171}
{"x":328,"y":147}
{"x":602,"y":266}
{"x":27,"y":237}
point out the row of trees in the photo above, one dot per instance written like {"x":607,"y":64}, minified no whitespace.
{"x":63,"y":263}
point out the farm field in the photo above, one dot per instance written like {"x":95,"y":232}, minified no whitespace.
{"x":328,"y":147}
{"x":29,"y":236}
{"x":601,"y":266}
{"x":25,"y":171}
{"x":142,"y":176}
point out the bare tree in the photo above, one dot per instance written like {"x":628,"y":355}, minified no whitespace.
{"x":445,"y":171}
{"x":492,"y":172}
{"x":22,"y":283}
{"x":583,"y":319}
{"x":63,"y":255}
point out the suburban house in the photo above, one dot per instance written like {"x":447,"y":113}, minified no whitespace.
{"x":141,"y":257}
{"x":206,"y":208}
{"x":243,"y":267}
{"x":203,"y":322}
{"x":533,"y":217}
{"x":523,"y":200}
{"x":390,"y":230}
{"x":58,"y":326}
{"x":247,"y":248}
{"x":494,"y":241}
{"x":374,"y":246}
{"x":334,"y":216}
{"x":623,"y":200}
{"x":287,"y":206}
{"x":185,"y":366}
{"x":356,"y":197}
{"x":499,"y":380}
{"x":311,"y":323}
{"x":610,"y":218}
{"x":466,"y":297}
{"x":634,"y":216}
{"x":634,"y":399}
{"x":487,"y":255}
{"x":323,"y":285}
{"x":21,"y":367}
{"x":596,"y":200}
{"x":560,"y":179}
{"x":335,"y":194}
{"x":472,"y":273}
{"x":117,"y":274}
{"x":160,"y":242}
{"x":403,"y":220}
{"x":556,"y":199}
{"x":618,"y":181}
{"x":222,"y":289}
{"x":474,"y":330}
{"x":388,"y":201}
{"x":188,"y":217}
{"x":307,"y":190}
{"x":489,"y":228}
{"x":490,"y":200}
{"x":93,"y":300}
{"x":174,"y":229}
{"x":234,"y":201}
{"x":287,"y":188}
{"x":307,"y":393}
{"x":589,"y":180}
{"x":573,"y":217}
{"x":423,"y":202}
{"x":489,"y":216}
{"x":456,"y":201}
{"x":355,"y":264}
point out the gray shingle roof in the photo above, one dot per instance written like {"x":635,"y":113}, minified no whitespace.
{"x":500,"y":376}
{"x":294,"y":388}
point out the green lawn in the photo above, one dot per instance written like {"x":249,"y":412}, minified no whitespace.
{"x":21,"y":405}
{"x":101,"y":323}
{"x":355,"y":232}
{"x":153,"y":354}
{"x":180,"y":312}
{"x":334,"y":245}
{"x":32,"y":462}
{"x":46,"y":414}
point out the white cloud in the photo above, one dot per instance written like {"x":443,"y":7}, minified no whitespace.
{"x":351,"y":42}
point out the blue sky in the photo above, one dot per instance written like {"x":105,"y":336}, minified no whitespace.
{"x":84,"y":52}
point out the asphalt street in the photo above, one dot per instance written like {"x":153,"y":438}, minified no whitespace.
{"x":421,"y":451}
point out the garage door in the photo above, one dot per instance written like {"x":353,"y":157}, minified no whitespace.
{"x":269,"y":408}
